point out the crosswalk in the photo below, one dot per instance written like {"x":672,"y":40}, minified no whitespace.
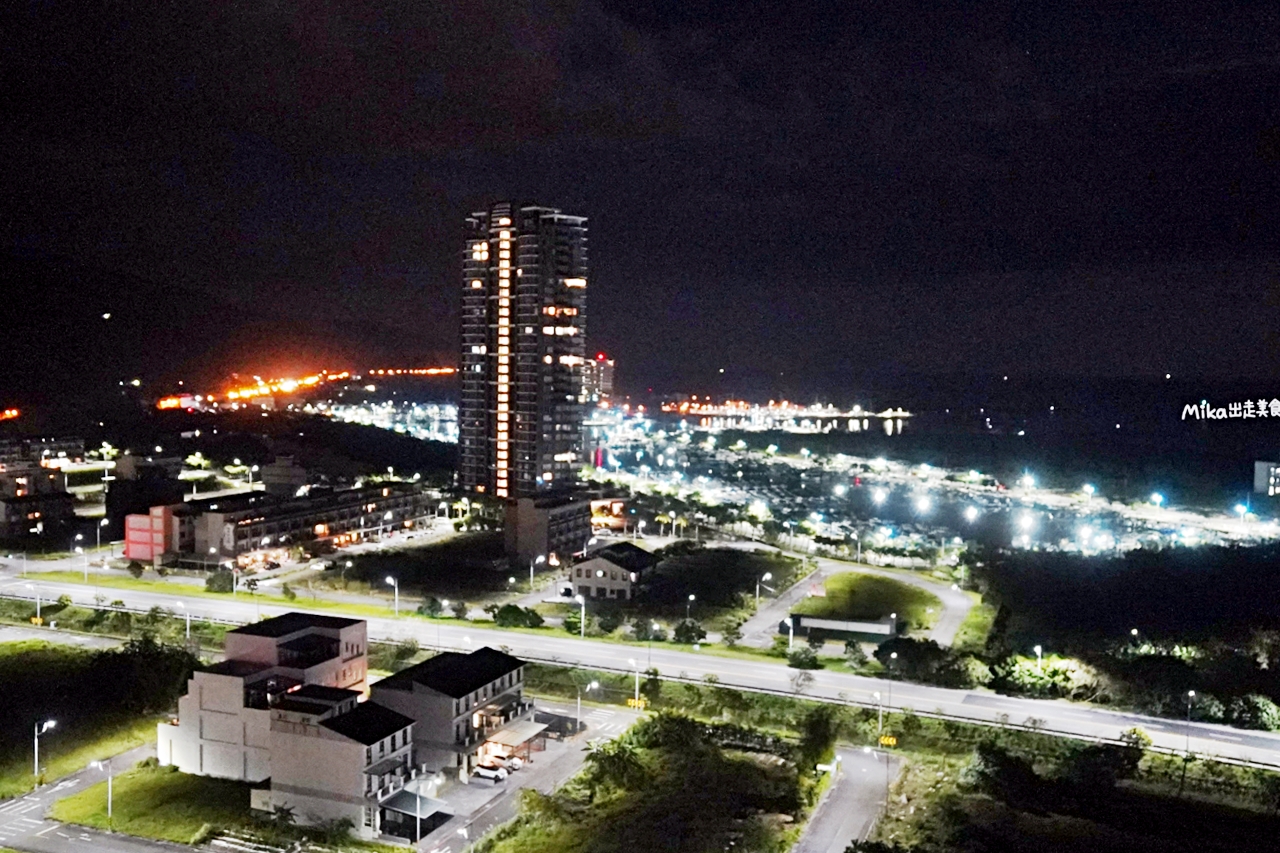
{"x":603,"y":721}
{"x":19,"y":827}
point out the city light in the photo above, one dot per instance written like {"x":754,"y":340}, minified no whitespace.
{"x":840,"y":490}
{"x":1157,"y":498}
{"x":971,"y":513}
{"x":878,"y":496}
{"x":923,"y":504}
{"x":1026,"y":521}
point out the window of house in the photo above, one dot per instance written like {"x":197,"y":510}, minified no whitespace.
{"x":368,"y":755}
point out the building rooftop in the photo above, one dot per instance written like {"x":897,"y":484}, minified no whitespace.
{"x":300,"y":706}
{"x":237,"y":668}
{"x":368,"y":723}
{"x":627,"y":556}
{"x":455,"y":674}
{"x":320,"y":693}
{"x":290,"y":623}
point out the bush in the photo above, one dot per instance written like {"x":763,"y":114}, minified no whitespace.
{"x":732,"y":634}
{"x":854,"y":654}
{"x":220,"y":581}
{"x":643,"y":630}
{"x":689,"y":632}
{"x":803,"y":657}
{"x":287,"y":592}
{"x":64,"y":600}
{"x":459,"y":609}
{"x":1255,"y":712}
{"x":609,"y":622}
{"x":431,"y":607}
{"x":135,"y":568}
{"x":573,"y":621}
{"x":533,"y":619}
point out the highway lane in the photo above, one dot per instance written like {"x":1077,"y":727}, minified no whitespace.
{"x":1049,"y":715}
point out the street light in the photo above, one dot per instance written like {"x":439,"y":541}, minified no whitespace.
{"x":105,"y":764}
{"x":791,"y":632}
{"x":577,"y":723}
{"x":767,"y":576}
{"x":971,"y":514}
{"x":878,"y":496}
{"x":187,"y":614}
{"x":532,"y":563}
{"x":396,"y":586}
{"x":653,"y":628}
{"x":879,"y":712}
{"x":639,"y":529}
{"x":98,"y":530}
{"x":585,"y":545}
{"x":1039,"y":650}
{"x":582,"y":620}
{"x":688,"y":606}
{"x":36,"y":590}
{"x":636,"y":664}
{"x":1191,"y":695}
{"x":1157,"y":498}
{"x":81,"y":552}
{"x":39,"y":730}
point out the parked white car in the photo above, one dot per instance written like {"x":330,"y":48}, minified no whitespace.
{"x":511,"y":762}
{"x":490,"y":771}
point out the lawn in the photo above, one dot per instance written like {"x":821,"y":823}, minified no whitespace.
{"x":972,"y":636}
{"x":697,"y":798}
{"x":461,"y":567}
{"x":103,"y":702}
{"x":855,"y":596}
{"x":161,"y":803}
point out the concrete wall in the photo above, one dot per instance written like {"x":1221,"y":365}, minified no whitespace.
{"x":599,"y":578}
{"x":216,"y":735}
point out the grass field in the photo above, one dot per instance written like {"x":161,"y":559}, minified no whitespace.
{"x":972,"y":636}
{"x":851,"y":595}
{"x":161,"y":803}
{"x":40,"y":683}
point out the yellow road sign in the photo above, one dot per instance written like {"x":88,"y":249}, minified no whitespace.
{"x":888,"y":740}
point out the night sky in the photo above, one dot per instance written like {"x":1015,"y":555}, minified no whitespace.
{"x":788,"y":189}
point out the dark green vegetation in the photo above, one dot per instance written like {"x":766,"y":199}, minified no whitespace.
{"x":103,"y":702}
{"x":1205,"y":620}
{"x":856,"y":596}
{"x":159,"y":802}
{"x":166,"y":626}
{"x":722,"y":579}
{"x":674,"y":783}
{"x":470,"y":566}
{"x":1013,"y":792}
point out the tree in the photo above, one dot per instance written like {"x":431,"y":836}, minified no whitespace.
{"x":854,"y":654}
{"x":220,"y":581}
{"x":1255,"y":711}
{"x":617,"y":763}
{"x":688,"y":631}
{"x":732,"y":634}
{"x":532,"y":618}
{"x":918,"y":660}
{"x":609,"y":622}
{"x":251,"y":585}
{"x":510,"y":616}
{"x":802,"y":681}
{"x":573,"y":621}
{"x":459,"y":609}
{"x":651,"y":687}
{"x":492,"y":611}
{"x":136,"y":569}
{"x":818,"y":729}
{"x":288,"y":592}
{"x":803,"y":657}
{"x":431,"y":607}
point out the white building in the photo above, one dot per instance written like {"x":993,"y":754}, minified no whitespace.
{"x":612,"y":572}
{"x":465,"y":708}
{"x":223,"y":721}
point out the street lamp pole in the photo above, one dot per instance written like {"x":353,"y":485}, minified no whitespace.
{"x":187,"y":615}
{"x":582,"y":620}
{"x":636,"y":664}
{"x":688,"y":606}
{"x":105,"y":764}
{"x":791,"y":632}
{"x":39,"y":730}
{"x":577,"y":721}
{"x":395,"y":584}
{"x":767,"y":576}
{"x":1039,"y":650}
{"x":532,"y":562}
{"x":652,"y":628}
{"x":1191,"y":695}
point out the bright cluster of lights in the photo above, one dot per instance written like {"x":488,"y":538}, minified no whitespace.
{"x":9,"y":414}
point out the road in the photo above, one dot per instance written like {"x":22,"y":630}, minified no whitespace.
{"x":1048,"y":715}
{"x":853,"y":803}
{"x":23,"y":824}
{"x":761,"y":628}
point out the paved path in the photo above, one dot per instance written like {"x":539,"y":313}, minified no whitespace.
{"x":1053,"y":716}
{"x":23,"y":825}
{"x":549,"y":770}
{"x":761,"y":628}
{"x":852,"y":805}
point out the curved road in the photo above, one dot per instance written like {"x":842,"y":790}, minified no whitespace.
{"x":1048,"y":715}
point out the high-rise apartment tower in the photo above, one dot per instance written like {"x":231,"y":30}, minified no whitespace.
{"x":524,"y":292}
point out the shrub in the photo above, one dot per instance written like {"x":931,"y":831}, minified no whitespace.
{"x":512,"y":616}
{"x":431,"y":607}
{"x":609,"y":622}
{"x":459,"y":609}
{"x":1255,"y":712}
{"x":135,"y":568}
{"x":287,"y":592}
{"x":689,"y":632}
{"x":533,"y":619}
{"x":854,"y":654}
{"x":220,"y":581}
{"x":64,"y":600}
{"x":732,"y":634}
{"x":803,"y":657}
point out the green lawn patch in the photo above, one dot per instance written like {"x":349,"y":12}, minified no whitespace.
{"x":161,"y":803}
{"x":104,"y":702}
{"x":972,"y":636}
{"x":855,"y":596}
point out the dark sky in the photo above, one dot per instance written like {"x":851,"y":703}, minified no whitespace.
{"x":797,"y":188}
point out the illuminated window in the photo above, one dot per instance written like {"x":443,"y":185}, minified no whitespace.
{"x":504,"y":254}
{"x":503,"y":244}
{"x":502,"y":407}
{"x":476,"y":283}
{"x":504,"y":221}
{"x":505,"y":235}
{"x":503,"y":398}
{"x":504,"y":312}
{"x":504,"y":273}
{"x":575,"y":282}
{"x":504,"y":301}
{"x":502,"y":454}
{"x":548,"y":330}
{"x":546,"y":359}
